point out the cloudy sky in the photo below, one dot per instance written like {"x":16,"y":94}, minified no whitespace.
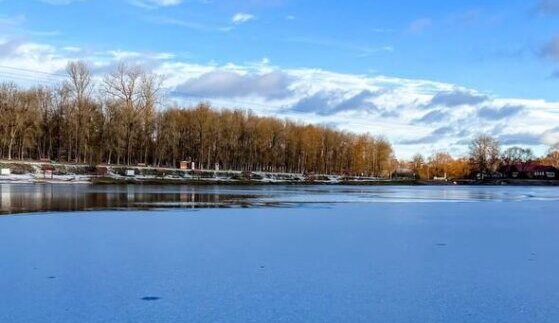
{"x":426,"y":74}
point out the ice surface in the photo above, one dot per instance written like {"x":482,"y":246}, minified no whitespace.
{"x":24,"y":198}
{"x":491,"y":261}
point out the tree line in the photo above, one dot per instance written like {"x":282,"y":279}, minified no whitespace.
{"x":485,"y":157}
{"x":121,"y":120}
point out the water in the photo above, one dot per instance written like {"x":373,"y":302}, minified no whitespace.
{"x":27,"y":198}
{"x":279,"y":254}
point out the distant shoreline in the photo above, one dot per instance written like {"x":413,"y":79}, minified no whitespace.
{"x":39,"y":172}
{"x":200,"y":182}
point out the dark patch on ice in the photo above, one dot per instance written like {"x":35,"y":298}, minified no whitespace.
{"x":150,"y":298}
{"x":533,"y":254}
{"x":441,"y":244}
{"x":51,"y":277}
{"x":262,"y":267}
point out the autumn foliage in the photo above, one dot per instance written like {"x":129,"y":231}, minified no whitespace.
{"x":120,"y":120}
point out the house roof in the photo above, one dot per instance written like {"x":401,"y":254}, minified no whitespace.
{"x":538,"y":168}
{"x":528,"y":168}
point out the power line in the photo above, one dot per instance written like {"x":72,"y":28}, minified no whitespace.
{"x":32,"y":71}
{"x":16,"y":73}
{"x":27,"y":78}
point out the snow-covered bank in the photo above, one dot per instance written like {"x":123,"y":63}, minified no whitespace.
{"x":45,"y":172}
{"x":37,"y":178}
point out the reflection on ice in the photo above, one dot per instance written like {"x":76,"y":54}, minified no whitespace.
{"x":22,"y":198}
{"x":375,"y":194}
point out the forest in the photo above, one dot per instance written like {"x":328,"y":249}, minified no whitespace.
{"x":121,"y":119}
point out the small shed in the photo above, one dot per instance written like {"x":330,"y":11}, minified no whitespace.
{"x":184,"y":165}
{"x":5,"y":171}
{"x":48,"y":171}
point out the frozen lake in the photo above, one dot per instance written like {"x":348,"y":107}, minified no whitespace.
{"x":278,"y":254}
{"x":27,"y":198}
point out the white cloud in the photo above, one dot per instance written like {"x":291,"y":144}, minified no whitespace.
{"x":241,"y":17}
{"x":359,"y":50}
{"x":15,"y":25}
{"x":551,"y":49}
{"x":185,"y":24}
{"x":150,"y":4}
{"x":548,"y":7}
{"x":12,"y":20}
{"x":120,"y":55}
{"x":419,"y":25}
{"x":228,"y":84}
{"x":551,"y":136}
{"x":60,"y":2}
{"x":72,"y":49}
{"x":416,"y":115}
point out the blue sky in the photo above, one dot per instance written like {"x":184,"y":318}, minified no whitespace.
{"x":320,"y":53}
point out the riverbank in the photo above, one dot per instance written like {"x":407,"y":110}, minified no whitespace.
{"x":65,"y":173}
{"x":46,"y":172}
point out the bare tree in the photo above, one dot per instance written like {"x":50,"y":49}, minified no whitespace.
{"x":79,"y":81}
{"x":150,"y":96}
{"x":517,"y":156}
{"x":439,"y":164}
{"x":484,"y":154}
{"x":79,"y":87}
{"x":13,"y":110}
{"x":552,"y":157}
{"x":122,"y":87}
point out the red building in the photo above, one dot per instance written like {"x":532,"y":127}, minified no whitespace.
{"x":529,"y":171}
{"x":187,"y":165}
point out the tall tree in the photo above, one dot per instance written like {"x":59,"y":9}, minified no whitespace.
{"x":484,"y":154}
{"x":518,"y":156}
{"x":83,"y":112}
